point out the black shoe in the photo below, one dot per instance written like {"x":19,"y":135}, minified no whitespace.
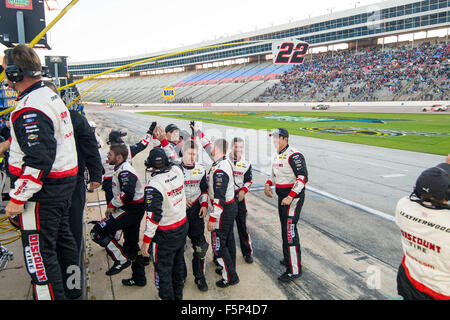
{"x":131,"y":282}
{"x":287,"y":277}
{"x":216,"y":263}
{"x":248,"y":259}
{"x":146,"y":261}
{"x":117,"y":268}
{"x":219,"y":271}
{"x":223,"y":284}
{"x":282,"y":262}
{"x":201,"y":284}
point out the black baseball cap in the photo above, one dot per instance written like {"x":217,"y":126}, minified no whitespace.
{"x":433,"y":182}
{"x":281,"y":132}
{"x":171,"y":127}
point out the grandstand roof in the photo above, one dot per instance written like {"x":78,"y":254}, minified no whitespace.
{"x":376,"y":20}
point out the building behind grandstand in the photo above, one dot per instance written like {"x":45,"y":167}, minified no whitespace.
{"x":392,"y":50}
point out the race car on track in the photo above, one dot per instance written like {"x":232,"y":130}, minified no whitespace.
{"x":436,"y":108}
{"x":321,"y":107}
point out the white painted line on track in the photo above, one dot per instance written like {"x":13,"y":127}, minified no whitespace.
{"x":347,"y":202}
{"x":393,"y":175}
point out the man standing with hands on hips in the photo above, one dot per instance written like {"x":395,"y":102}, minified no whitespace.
{"x":289,"y":175}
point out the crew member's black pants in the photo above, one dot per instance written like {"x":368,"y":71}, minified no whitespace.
{"x":223,"y":243}
{"x":76,"y":211}
{"x":196,"y":232}
{"x":129,"y":222}
{"x":168,"y":258}
{"x":289,"y":216}
{"x":48,"y":243}
{"x":241,"y":224}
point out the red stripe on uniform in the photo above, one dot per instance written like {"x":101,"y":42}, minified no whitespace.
{"x":63,"y":174}
{"x":173,"y":225}
{"x":421,"y":287}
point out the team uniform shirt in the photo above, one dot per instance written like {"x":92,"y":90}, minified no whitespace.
{"x":426,"y":246}
{"x":289,"y":172}
{"x":195,"y":183}
{"x":43,"y":156}
{"x":242,"y":171}
{"x":220,"y":188}
{"x":126,"y":187}
{"x":165,"y":202}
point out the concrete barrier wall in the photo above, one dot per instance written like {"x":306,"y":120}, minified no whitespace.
{"x":383,"y":104}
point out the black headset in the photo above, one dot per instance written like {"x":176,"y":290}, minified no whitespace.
{"x":15,"y":74}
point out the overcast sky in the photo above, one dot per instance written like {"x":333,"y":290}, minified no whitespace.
{"x":104,"y":29}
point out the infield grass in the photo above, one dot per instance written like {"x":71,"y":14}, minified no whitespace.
{"x":428,"y":133}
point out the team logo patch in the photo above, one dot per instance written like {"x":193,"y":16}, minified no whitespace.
{"x":32,"y":137}
{"x":290,"y":231}
{"x":33,"y":258}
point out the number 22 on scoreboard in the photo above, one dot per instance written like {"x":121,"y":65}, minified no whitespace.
{"x":292,"y":53}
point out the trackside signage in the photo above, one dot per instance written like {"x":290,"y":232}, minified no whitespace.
{"x":19,"y":4}
{"x":168,"y":93}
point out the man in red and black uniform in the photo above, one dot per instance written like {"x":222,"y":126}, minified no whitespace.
{"x":222,"y":214}
{"x":242,"y":170}
{"x":124,"y":212}
{"x":424,"y":222}
{"x":289,"y":175}
{"x":43,"y":166}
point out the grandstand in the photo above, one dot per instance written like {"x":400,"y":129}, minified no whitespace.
{"x":389,"y":51}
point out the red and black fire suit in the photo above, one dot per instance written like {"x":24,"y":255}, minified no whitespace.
{"x":223,"y":212}
{"x":128,"y":200}
{"x":196,"y":189}
{"x":43,"y":167}
{"x":166,"y":230}
{"x":290,"y":175}
{"x":242,"y":170}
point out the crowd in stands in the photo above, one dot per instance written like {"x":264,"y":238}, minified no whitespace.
{"x":181,"y":100}
{"x":371,"y":74}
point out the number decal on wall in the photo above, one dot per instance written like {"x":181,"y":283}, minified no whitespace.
{"x":291,"y":53}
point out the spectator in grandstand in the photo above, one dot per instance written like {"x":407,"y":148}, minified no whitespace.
{"x":43,"y":167}
{"x":423,"y":219}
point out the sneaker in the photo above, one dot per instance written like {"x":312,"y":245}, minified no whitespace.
{"x":201,"y":284}
{"x":131,"y":282}
{"x":117,"y":268}
{"x":248,"y":259}
{"x":286,"y":277}
{"x":223,"y":284}
{"x":219,"y":271}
